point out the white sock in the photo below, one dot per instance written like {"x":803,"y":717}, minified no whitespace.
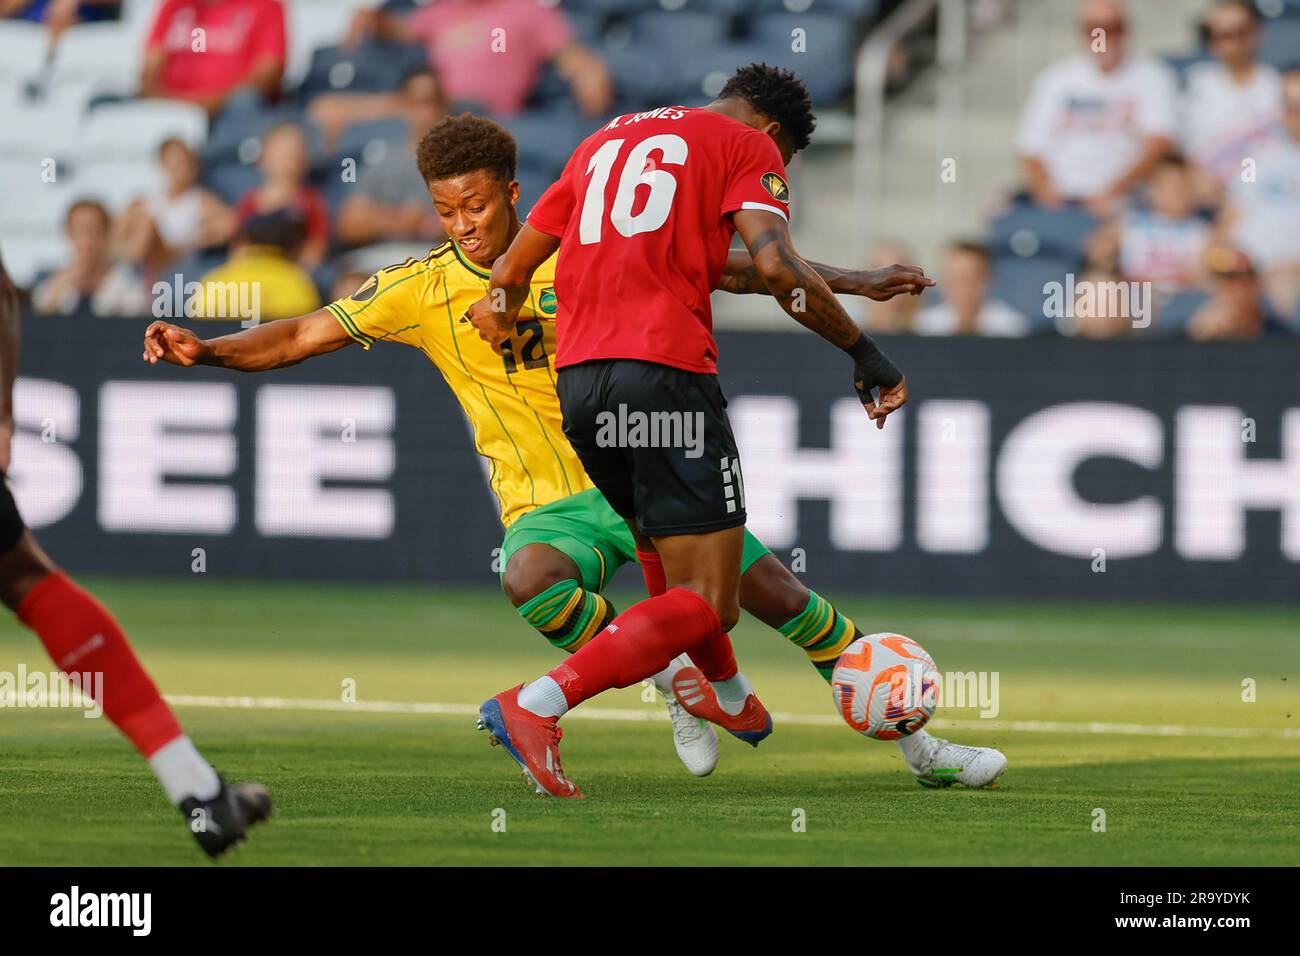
{"x":544,"y":698}
{"x":664,"y":679}
{"x":183,"y":772}
{"x":916,"y":748}
{"x":732,"y":693}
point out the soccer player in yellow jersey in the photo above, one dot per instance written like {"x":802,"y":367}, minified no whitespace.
{"x":562,"y":541}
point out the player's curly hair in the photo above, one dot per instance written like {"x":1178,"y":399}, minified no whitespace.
{"x":778,"y":94}
{"x":462,"y":144}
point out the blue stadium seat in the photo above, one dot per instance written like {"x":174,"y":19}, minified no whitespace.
{"x":700,"y":76}
{"x":1281,"y":43}
{"x":1028,"y":229}
{"x":824,"y":60}
{"x":237,"y":132}
{"x":856,"y":9}
{"x":681,"y":28}
{"x":547,"y":137}
{"x":1019,"y":283}
{"x":367,"y":68}
{"x":533,"y":181}
{"x":231,"y":180}
{"x":643,"y":76}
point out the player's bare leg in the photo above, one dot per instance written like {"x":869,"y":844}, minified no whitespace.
{"x":82,"y":637}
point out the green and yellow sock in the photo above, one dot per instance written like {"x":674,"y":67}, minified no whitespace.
{"x":567,"y":615}
{"x":822,"y":632}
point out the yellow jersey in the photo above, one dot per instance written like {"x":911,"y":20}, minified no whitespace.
{"x":509,"y":399}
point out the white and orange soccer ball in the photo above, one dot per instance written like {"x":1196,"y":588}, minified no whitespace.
{"x":885,"y":686}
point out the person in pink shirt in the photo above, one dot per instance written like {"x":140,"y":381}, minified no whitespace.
{"x":203,"y":51}
{"x":491,"y":51}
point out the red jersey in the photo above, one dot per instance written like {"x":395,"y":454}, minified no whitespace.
{"x":643,"y":214}
{"x":237,"y":36}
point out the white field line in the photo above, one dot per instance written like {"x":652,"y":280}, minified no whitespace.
{"x":659,"y":714}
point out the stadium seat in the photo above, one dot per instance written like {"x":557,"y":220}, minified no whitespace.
{"x":1026,"y":229}
{"x":39,"y":128}
{"x":22,"y":51}
{"x":825,"y":58}
{"x":533,"y":181}
{"x":237,"y":133}
{"x":1281,"y":43}
{"x":117,"y":182}
{"x":231,"y":180}
{"x":367,"y":68}
{"x":134,"y":130}
{"x":547,"y":137}
{"x":643,"y":76}
{"x":682,"y":29}
{"x":856,"y":9}
{"x":310,"y":27}
{"x":1019,"y":283}
{"x":27,"y":257}
{"x":91,"y":54}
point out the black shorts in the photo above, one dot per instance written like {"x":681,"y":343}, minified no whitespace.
{"x":657,"y":443}
{"x":11,"y":523}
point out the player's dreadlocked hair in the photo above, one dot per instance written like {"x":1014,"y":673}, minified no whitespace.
{"x":457,"y":145}
{"x":778,"y":94}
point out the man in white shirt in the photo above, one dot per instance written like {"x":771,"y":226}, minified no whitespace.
{"x":966,"y":308}
{"x":1263,"y":209}
{"x":1232,"y":102}
{"x":1096,"y":123}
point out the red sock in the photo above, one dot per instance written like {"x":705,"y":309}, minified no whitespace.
{"x":639,"y":642}
{"x":652,"y":569}
{"x":715,"y":658}
{"x":82,"y":637}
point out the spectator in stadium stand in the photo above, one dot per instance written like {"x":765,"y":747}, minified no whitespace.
{"x":243,"y":48}
{"x":285,"y":162}
{"x":1232,"y":102}
{"x":462,"y":48}
{"x":1237,"y":309}
{"x":1262,"y":213}
{"x":966,"y":308}
{"x":1097,"y":313}
{"x":896,"y":315}
{"x":1096,"y":123}
{"x":262,"y":264}
{"x":1164,"y":243}
{"x":387,"y":211}
{"x":178,"y":217}
{"x":92,"y":281}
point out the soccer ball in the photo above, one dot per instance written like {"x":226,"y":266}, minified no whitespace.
{"x":885,"y":686}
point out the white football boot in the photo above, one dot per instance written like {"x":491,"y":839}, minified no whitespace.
{"x":936,"y":762}
{"x":695,"y":740}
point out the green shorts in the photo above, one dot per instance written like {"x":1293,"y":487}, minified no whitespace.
{"x":590,"y":532}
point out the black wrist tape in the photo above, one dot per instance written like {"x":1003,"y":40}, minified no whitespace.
{"x":874,"y":365}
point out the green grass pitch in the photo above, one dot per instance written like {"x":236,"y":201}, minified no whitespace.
{"x":368,"y":787}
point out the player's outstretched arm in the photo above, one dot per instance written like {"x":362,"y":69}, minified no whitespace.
{"x":263,"y":347}
{"x":494,"y":315}
{"x":741,"y":277}
{"x":809,"y":301}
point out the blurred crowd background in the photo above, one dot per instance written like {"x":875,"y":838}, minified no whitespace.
{"x":269,"y":141}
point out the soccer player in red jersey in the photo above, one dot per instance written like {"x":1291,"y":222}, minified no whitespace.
{"x":84,"y":639}
{"x":643,"y":217}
